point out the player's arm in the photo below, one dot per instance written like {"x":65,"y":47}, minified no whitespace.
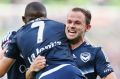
{"x":30,"y":74}
{"x":2,"y":53}
{"x":5,"y":62}
{"x":38,"y":64}
{"x":110,"y":76}
{"x":103,"y":67}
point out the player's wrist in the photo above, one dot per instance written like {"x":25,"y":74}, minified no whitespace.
{"x":30,"y":73}
{"x":31,"y":69}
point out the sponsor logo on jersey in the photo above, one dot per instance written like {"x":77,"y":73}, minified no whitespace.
{"x":85,"y":56}
{"x":39,"y":50}
{"x":108,"y":68}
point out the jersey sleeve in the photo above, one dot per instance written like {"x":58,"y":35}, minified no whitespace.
{"x":103,"y":66}
{"x":12,"y":50}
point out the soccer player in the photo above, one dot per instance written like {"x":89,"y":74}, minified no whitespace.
{"x":18,"y":69}
{"x":91,"y":60}
{"x":45,"y":37}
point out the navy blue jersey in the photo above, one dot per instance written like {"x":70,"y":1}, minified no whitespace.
{"x":92,"y":61}
{"x":63,"y":71}
{"x":41,"y":37}
{"x":18,"y":69}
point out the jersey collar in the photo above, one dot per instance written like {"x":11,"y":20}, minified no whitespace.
{"x":38,"y":19}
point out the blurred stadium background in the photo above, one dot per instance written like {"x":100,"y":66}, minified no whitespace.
{"x":105,"y":21}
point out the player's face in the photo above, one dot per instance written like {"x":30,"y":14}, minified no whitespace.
{"x":75,"y":25}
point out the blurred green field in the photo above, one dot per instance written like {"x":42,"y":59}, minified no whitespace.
{"x":5,"y":1}
{"x":69,"y":2}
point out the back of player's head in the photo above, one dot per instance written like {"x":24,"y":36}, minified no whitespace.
{"x":34,"y":10}
{"x":85,"y":12}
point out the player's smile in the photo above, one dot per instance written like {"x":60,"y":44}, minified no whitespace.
{"x":72,"y":32}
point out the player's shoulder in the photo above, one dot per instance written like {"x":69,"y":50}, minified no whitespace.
{"x":93,"y":47}
{"x":55,"y":22}
{"x":24,"y":27}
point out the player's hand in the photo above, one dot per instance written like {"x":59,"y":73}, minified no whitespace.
{"x":38,"y":64}
{"x":7,"y":39}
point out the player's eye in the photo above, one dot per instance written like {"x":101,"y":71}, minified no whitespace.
{"x":69,"y":21}
{"x":78,"y":22}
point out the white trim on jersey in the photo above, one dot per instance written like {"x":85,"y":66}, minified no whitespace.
{"x":52,"y":70}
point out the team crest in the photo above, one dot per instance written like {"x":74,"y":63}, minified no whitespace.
{"x":85,"y":57}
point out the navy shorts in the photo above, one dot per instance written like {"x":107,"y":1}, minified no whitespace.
{"x":63,"y":71}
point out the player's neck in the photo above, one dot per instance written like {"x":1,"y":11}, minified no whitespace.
{"x":77,"y":44}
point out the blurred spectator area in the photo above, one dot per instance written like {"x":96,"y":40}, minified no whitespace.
{"x":105,"y":21}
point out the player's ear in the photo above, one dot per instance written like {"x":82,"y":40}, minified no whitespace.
{"x":88,"y":26}
{"x":24,"y":19}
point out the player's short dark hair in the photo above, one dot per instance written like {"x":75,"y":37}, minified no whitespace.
{"x":85,"y":12}
{"x":35,"y":9}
